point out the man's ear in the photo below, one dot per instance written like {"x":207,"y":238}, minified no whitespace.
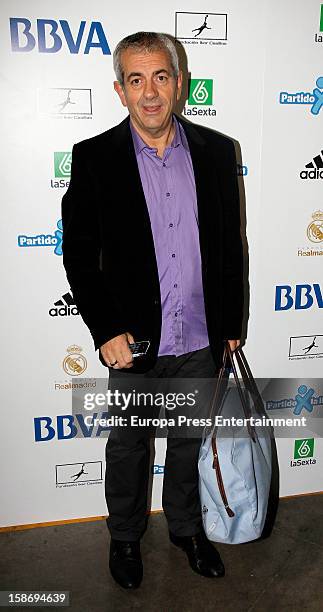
{"x":179,"y":84}
{"x":119,"y":89}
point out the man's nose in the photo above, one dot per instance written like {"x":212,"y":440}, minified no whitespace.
{"x":151,"y":90}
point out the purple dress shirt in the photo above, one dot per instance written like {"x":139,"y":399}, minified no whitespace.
{"x":170,"y":193}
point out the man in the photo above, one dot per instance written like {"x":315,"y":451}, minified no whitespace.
{"x":152,"y":251}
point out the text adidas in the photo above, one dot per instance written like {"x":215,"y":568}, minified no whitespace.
{"x":63,"y":311}
{"x":311,"y":174}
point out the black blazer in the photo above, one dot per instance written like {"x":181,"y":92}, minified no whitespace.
{"x":108,"y":248}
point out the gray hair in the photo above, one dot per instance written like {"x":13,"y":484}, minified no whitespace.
{"x":144,"y":41}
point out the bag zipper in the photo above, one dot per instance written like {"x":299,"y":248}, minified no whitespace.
{"x":216,"y":467}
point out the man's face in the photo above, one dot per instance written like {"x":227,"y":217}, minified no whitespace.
{"x":150,"y":90}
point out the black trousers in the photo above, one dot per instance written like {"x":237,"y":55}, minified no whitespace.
{"x":128,"y":461}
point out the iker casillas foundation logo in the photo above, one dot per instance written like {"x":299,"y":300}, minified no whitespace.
{"x":314,"y":98}
{"x":201,"y":28}
{"x":65,"y":103}
{"x":305,"y":347}
{"x":200,"y":94}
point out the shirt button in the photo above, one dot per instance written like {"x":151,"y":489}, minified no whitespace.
{"x":164,"y":164}
{"x":167,"y":194}
{"x":175,"y":314}
{"x":173,"y":254}
{"x":171,"y":225}
{"x":175,"y":285}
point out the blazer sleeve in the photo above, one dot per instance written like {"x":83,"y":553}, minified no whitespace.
{"x":233,"y":250}
{"x":82,"y":254}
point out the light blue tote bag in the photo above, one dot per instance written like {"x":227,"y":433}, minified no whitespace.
{"x":235,"y":464}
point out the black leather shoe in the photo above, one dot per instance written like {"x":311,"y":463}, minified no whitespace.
{"x":125,"y":563}
{"x":203,"y":558}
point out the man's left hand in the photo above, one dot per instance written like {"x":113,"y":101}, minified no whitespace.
{"x":234,"y":344}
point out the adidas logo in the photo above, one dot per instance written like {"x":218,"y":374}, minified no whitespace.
{"x":315,"y":168}
{"x":65,"y":307}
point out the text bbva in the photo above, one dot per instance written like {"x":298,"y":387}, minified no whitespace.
{"x":301,"y":297}
{"x":49,"y":35}
{"x":67,"y":427}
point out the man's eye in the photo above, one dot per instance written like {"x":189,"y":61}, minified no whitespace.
{"x":135,"y":82}
{"x":162,"y":78}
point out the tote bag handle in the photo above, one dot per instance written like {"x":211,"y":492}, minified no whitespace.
{"x":249,"y":384}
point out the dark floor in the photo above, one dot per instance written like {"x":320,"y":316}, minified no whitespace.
{"x":283,"y":572}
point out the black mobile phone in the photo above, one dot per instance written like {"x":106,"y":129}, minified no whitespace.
{"x":139,"y":348}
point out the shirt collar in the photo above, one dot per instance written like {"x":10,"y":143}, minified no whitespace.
{"x":140,"y":144}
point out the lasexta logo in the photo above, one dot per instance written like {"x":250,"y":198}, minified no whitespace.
{"x":62,"y":164}
{"x":200,"y":91}
{"x":303,"y":453}
{"x":48,"y":35}
{"x":318,"y":37}
{"x":200,"y":94}
{"x":304,"y":448}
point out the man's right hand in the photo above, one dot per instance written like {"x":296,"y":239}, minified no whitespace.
{"x":117,"y":349}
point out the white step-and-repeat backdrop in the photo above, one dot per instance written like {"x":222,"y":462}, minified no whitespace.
{"x":259,"y":65}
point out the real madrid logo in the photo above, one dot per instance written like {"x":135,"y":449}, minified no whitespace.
{"x":74,"y":363}
{"x":315,"y":228}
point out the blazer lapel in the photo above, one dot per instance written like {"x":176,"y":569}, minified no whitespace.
{"x":133,"y":197}
{"x":131,"y":176}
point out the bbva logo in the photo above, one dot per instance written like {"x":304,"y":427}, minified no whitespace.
{"x":50,"y":39}
{"x":67,"y":426}
{"x":301,"y":298}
